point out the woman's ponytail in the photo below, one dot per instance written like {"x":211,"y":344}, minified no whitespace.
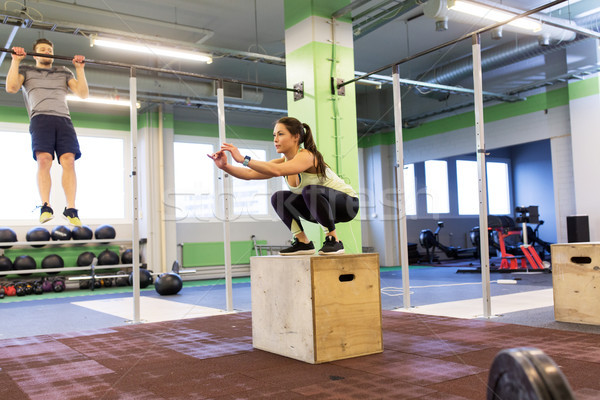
{"x":305,"y":137}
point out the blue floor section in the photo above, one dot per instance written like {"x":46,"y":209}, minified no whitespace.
{"x":429,"y":285}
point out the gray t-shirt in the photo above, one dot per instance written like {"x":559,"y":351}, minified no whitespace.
{"x":45,"y":90}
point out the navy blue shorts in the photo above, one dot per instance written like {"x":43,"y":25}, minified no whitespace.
{"x":53,"y":134}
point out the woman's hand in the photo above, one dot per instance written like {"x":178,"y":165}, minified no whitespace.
{"x":220,"y":159}
{"x":235,"y":153}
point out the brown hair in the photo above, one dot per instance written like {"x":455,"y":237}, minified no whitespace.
{"x":42,"y":41}
{"x":302,"y":130}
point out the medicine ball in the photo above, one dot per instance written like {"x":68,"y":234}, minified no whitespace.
{"x":5,"y":263}
{"x":82,"y":233}
{"x":85,"y":259}
{"x":61,"y":232}
{"x":47,"y":285}
{"x":58,"y":285}
{"x":10,"y":290}
{"x":168,"y":283}
{"x":37,"y":287}
{"x":122,"y":280}
{"x":145,"y":278}
{"x":105,"y":232}
{"x":7,"y":235}
{"x":53,"y":261}
{"x":108,"y":257}
{"x":127,"y":257}
{"x":38,"y":234}
{"x":24,"y":262}
{"x":84,"y":284}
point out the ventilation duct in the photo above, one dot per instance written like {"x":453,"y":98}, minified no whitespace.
{"x":482,"y":13}
{"x":500,"y":56}
{"x":169,"y":86}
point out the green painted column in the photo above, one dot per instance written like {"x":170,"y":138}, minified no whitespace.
{"x":318,"y":49}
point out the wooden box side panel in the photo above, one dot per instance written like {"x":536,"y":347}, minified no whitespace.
{"x":347,"y":312}
{"x":282,"y":306}
{"x":576,"y":282}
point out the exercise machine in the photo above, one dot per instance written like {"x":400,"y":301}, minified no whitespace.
{"x":430,"y":241}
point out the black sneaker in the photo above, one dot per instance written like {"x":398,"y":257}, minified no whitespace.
{"x":71,"y":215}
{"x":298,"y":248}
{"x":331,"y":246}
{"x":46,"y":214}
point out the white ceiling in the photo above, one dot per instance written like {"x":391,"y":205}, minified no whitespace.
{"x":253,"y":28}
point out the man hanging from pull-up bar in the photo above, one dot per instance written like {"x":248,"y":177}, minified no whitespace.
{"x":45,"y":89}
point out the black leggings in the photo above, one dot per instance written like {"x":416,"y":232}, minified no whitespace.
{"x":317,"y":204}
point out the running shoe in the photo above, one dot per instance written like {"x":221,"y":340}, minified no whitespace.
{"x":71,"y":216}
{"x":331,"y":246}
{"x":298,"y":248}
{"x":46,"y":214}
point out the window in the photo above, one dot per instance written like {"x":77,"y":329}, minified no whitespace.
{"x":436,"y":180}
{"x":498,"y":188}
{"x":410,"y":200}
{"x":467,"y":180}
{"x":251,"y":197}
{"x":197,"y":187}
{"x":19,"y":188}
{"x":100,"y":178}
{"x":194,"y":180}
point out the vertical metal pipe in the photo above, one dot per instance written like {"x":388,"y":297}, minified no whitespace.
{"x":400,"y":187}
{"x":482,"y":177}
{"x":161,"y":190}
{"x":226,"y":192}
{"x":135,"y":189}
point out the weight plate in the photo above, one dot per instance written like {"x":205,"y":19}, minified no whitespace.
{"x":514,"y":376}
{"x":556,"y":383}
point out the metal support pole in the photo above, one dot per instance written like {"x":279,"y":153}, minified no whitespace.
{"x":482,"y":177}
{"x":134,"y":182}
{"x":226,"y":192}
{"x":400,"y":187}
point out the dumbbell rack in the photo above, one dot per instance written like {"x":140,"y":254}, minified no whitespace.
{"x":59,"y":243}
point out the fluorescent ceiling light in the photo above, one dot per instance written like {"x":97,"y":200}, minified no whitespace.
{"x":494,"y":15}
{"x":589,"y":12}
{"x":151,"y":49}
{"x":102,"y":100}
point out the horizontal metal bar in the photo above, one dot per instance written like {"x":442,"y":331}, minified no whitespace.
{"x":66,"y":269}
{"x":66,"y":242}
{"x":451,"y":42}
{"x":155,"y":69}
{"x":387,"y":79}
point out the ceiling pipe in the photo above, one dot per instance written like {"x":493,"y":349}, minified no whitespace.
{"x":89,"y":30}
{"x":349,"y":8}
{"x":500,"y":56}
{"x":496,"y":57}
{"x":362,"y":28}
{"x":206,"y":33}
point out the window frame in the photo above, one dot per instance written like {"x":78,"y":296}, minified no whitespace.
{"x":273,"y":184}
{"x":56,"y":173}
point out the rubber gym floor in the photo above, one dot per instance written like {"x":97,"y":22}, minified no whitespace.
{"x":441,"y":348}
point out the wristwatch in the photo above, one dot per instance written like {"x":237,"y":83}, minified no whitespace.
{"x":246,"y":161}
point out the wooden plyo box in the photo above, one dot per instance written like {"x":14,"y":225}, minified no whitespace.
{"x":576,"y":282}
{"x":316,"y":308}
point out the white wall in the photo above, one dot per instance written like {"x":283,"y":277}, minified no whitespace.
{"x":585,"y":140}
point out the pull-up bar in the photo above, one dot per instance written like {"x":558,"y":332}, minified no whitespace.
{"x":163,"y":70}
{"x":459,"y":39}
